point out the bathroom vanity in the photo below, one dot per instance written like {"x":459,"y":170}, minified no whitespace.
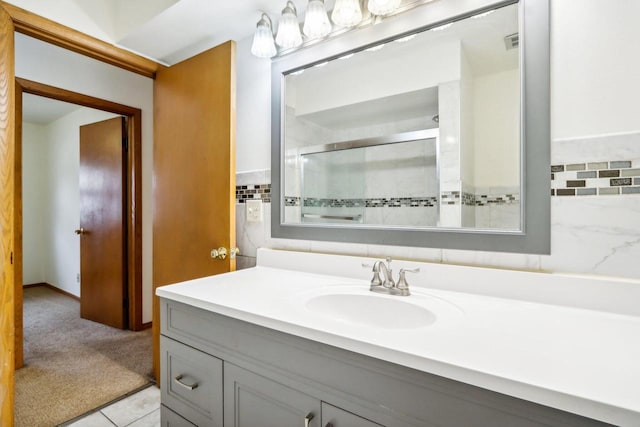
{"x":281,"y":345}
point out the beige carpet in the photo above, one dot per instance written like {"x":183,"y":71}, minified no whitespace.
{"x":73,"y":365}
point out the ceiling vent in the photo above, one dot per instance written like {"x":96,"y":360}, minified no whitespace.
{"x":512,"y":41}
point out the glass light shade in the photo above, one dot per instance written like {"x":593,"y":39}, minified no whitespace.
{"x":382,"y":7}
{"x":346,"y":13}
{"x":263,"y":45}
{"x":316,"y":21}
{"x":289,"y":35}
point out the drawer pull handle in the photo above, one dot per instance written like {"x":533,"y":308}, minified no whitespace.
{"x":307,"y":419}
{"x":178,"y":379}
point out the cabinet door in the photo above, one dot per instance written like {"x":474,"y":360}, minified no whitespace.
{"x":191,"y":383}
{"x":168,"y":418}
{"x":251,"y":400}
{"x":336,"y":417}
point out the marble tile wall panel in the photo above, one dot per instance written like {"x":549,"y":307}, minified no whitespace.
{"x":401,"y":170}
{"x":449,"y":149}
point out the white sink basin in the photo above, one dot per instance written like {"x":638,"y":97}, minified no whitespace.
{"x":372,"y":310}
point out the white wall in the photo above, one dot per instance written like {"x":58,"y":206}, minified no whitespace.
{"x":497,"y":153}
{"x":253,"y":109}
{"x":58,"y":67}
{"x":595,"y":89}
{"x":595,"y":63}
{"x":33,"y":206}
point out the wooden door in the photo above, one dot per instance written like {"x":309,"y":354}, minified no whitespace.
{"x":193,"y":171}
{"x":8,"y":205}
{"x":102,"y":223}
{"x":252,"y":400}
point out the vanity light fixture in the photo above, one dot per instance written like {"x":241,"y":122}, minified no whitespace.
{"x":263,"y":45}
{"x":346,"y":13}
{"x":316,"y":21}
{"x":289,"y":35}
{"x":382,"y":7}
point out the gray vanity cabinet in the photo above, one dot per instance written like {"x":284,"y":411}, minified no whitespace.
{"x":213,"y":364}
{"x":336,"y":417}
{"x":252,"y":400}
{"x":168,"y":418}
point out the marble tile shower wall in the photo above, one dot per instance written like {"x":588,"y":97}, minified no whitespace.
{"x":590,"y":234}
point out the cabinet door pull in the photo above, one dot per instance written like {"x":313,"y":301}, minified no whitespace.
{"x":178,"y":379}
{"x":307,"y":419}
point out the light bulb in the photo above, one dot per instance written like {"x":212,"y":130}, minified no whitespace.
{"x":263,"y":45}
{"x":382,"y":7}
{"x":316,"y":21}
{"x":289,"y":35}
{"x":346,"y":13}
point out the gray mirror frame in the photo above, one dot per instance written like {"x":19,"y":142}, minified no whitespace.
{"x":535,"y":234}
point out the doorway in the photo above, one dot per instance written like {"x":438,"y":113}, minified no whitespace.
{"x":131,"y":199}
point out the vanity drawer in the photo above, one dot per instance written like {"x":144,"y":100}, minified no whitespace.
{"x":191,"y":383}
{"x":168,"y":418}
{"x":336,"y":417}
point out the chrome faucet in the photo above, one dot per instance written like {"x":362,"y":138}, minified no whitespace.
{"x":389,"y":285}
{"x":387,"y":272}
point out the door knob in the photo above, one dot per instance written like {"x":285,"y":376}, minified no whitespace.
{"x":80,"y":231}
{"x":221,"y":253}
{"x":234,"y":252}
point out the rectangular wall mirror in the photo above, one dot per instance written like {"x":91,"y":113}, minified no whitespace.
{"x":431,"y":129}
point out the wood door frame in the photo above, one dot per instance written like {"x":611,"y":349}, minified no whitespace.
{"x":133,"y":208}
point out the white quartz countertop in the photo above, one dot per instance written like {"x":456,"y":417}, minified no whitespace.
{"x":574,"y":359}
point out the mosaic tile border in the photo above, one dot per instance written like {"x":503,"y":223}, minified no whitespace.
{"x":292,"y":201}
{"x":448,"y":198}
{"x":374,"y":202}
{"x":496,"y":199}
{"x":606,"y":178}
{"x":252,"y":192}
{"x":603,"y":178}
{"x":470,"y":199}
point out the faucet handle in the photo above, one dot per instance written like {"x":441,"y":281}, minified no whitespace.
{"x":402,"y":287}
{"x":376,"y":282}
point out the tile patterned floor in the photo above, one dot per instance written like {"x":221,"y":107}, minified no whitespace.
{"x":141,"y":409}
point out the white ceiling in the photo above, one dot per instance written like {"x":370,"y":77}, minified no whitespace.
{"x":390,"y":109}
{"x":42,"y":111}
{"x":167,"y":31}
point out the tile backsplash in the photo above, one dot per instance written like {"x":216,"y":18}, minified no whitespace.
{"x":590,"y":234}
{"x":602,"y":178}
